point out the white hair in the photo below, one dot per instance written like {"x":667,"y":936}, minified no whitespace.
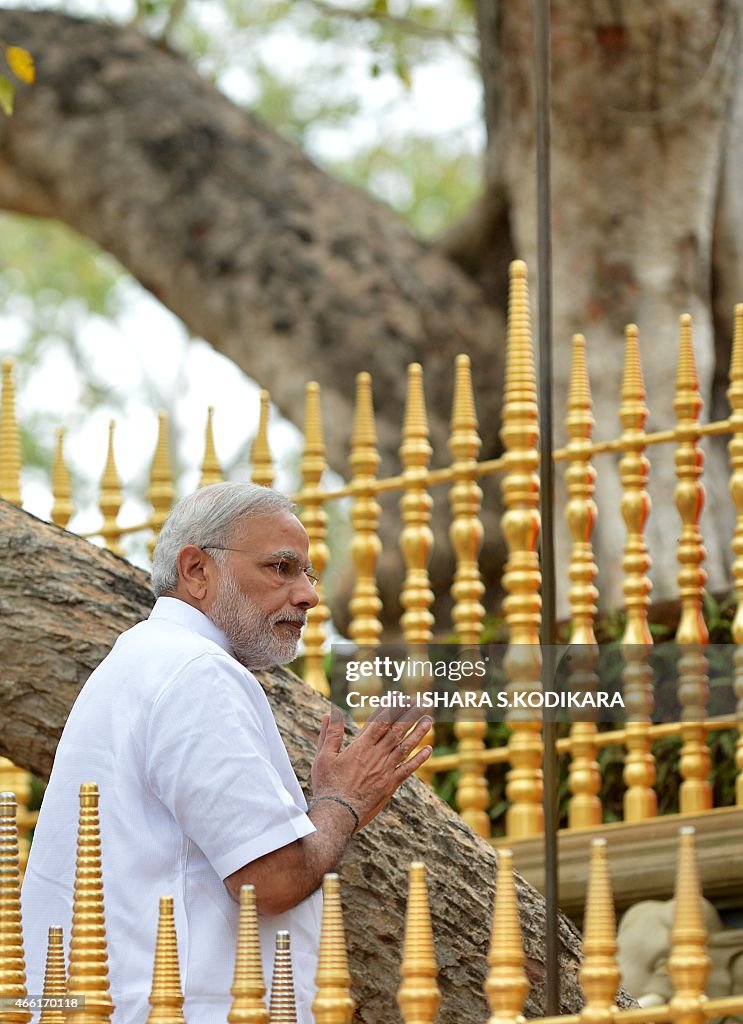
{"x":207,"y":518}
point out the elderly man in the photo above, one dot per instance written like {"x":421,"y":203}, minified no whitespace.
{"x":197,"y":793}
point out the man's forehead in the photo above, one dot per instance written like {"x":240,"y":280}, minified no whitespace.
{"x":278,"y":531}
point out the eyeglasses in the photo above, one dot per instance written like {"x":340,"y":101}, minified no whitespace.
{"x":288,"y":567}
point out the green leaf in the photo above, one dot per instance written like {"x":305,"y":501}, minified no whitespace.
{"x":7,"y":95}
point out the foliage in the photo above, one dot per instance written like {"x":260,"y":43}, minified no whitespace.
{"x":21,"y":64}
{"x":353,"y":66}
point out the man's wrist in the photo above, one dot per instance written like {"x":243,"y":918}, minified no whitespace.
{"x":343,"y":803}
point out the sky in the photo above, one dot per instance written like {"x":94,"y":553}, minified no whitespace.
{"x":443,"y":99}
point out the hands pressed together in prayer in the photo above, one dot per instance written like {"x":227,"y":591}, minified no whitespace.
{"x":363,"y":777}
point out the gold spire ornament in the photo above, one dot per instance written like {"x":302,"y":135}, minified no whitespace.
{"x":61,"y":485}
{"x":87,"y":978}
{"x":55,"y":979}
{"x":689,"y":964}
{"x":333,"y":1003}
{"x":315,"y":520}
{"x":10,"y":440}
{"x":584,"y":779}
{"x":161,"y":492}
{"x":691,"y":635}
{"x":419,"y":995}
{"x":211,"y":471}
{"x":282,"y":1008}
{"x":248,"y":988}
{"x":735,"y":454}
{"x":12,"y":962}
{"x":506,"y":986}
{"x":260,"y":453}
{"x":599,"y":973}
{"x":522,"y":578}
{"x":466,"y":534}
{"x":365,"y":605}
{"x":640,"y":801}
{"x":166,"y":996}
{"x":18,"y":781}
{"x":111,"y":497}
{"x":416,"y":538}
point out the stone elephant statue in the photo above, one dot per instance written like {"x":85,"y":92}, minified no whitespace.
{"x":644,"y":940}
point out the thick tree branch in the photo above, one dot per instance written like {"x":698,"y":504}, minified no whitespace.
{"x":281,"y":267}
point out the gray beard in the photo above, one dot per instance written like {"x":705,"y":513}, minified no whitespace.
{"x":248,"y":629}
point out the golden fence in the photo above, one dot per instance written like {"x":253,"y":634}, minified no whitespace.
{"x":517,"y":469}
{"x":83,"y":989}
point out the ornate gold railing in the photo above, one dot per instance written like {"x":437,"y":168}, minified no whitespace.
{"x":521,"y":579}
{"x":418,"y":995}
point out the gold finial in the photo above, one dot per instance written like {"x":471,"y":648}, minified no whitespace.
{"x":418,"y":995}
{"x":416,"y":536}
{"x":416,"y":539}
{"x":584,"y":781}
{"x":466,"y":500}
{"x":16,"y":780}
{"x":161,"y":493}
{"x":260,"y":453}
{"x":333,"y":1003}
{"x":506,"y":986}
{"x":10,"y":440}
{"x":466,"y":534}
{"x":88,"y":967}
{"x":111,"y":497}
{"x":639,"y":768}
{"x":282,"y":1009}
{"x":55,"y":979}
{"x":689,"y":963}
{"x":315,"y":520}
{"x":522,"y":578}
{"x":12,"y":962}
{"x":211,"y":471}
{"x":365,"y":628}
{"x":599,"y":974}
{"x":166,"y":997}
{"x":735,"y":453}
{"x":692,"y":634}
{"x":61,"y":485}
{"x":248,"y":989}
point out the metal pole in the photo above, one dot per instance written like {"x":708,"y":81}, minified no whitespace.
{"x":544,"y":275}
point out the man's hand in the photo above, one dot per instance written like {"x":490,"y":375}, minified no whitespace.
{"x":369,"y":770}
{"x":364,"y":775}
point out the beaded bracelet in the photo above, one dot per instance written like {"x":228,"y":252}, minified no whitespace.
{"x":342,"y":802}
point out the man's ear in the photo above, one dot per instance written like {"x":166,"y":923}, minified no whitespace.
{"x":196,"y":570}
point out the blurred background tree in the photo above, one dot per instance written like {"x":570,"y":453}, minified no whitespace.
{"x":223,"y":217}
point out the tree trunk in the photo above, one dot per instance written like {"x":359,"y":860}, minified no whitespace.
{"x":64,"y":602}
{"x":646,"y":153}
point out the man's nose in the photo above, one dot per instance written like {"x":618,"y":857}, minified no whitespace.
{"x":303,"y":593}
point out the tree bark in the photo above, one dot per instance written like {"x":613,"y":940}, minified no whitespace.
{"x":646,"y":153}
{"x":64,"y":601}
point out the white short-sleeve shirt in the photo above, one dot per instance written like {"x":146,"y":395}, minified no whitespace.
{"x":194,"y":783}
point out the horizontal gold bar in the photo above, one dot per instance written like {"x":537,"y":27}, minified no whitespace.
{"x":121,"y":531}
{"x":613,"y":737}
{"x":397,"y":483}
{"x":716,"y":429}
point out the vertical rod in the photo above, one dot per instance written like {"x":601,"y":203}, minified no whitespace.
{"x":544,"y":279}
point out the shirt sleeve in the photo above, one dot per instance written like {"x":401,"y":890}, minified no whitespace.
{"x":210,"y":762}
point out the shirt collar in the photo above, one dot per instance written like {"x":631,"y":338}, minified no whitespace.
{"x":172,"y":609}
